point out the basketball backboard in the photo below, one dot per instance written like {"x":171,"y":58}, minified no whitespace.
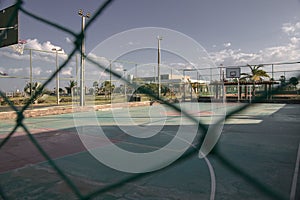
{"x":233,"y":72}
{"x":9,"y":26}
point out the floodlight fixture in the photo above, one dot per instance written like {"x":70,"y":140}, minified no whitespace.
{"x":80,"y":12}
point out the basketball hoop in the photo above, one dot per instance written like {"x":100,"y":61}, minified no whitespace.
{"x":19,"y":48}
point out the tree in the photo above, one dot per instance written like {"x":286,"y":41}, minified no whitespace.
{"x":61,"y":90}
{"x":294,"y":81}
{"x":95,"y":84}
{"x":150,"y":89}
{"x":282,"y":80}
{"x":32,"y":89}
{"x":107,"y":88}
{"x":72,"y":85}
{"x":96,"y":87}
{"x":256,"y":75}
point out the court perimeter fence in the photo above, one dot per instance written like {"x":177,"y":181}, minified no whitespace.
{"x":19,"y":123}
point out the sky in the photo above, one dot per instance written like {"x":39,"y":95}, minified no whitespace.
{"x":231,"y":32}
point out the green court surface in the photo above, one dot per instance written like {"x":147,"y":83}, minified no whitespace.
{"x":257,"y":154}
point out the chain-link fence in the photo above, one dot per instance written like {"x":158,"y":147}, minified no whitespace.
{"x":216,"y":154}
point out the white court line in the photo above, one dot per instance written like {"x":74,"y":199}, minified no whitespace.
{"x":210,"y":168}
{"x":212,"y":179}
{"x":295,"y":177}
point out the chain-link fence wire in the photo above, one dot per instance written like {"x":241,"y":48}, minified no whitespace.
{"x":270,"y":192}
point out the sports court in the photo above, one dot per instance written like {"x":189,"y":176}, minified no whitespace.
{"x":257,"y":155}
{"x":144,"y":152}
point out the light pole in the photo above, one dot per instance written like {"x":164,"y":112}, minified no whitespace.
{"x":222,"y":80}
{"x":30,"y":71}
{"x":82,"y":85}
{"x":159,"y":38}
{"x":125,"y":94}
{"x":57,"y":74}
{"x":110,"y":85}
{"x":184,"y":85}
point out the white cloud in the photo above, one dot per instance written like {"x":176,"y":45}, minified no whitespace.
{"x":118,"y":67}
{"x":294,"y":40}
{"x":289,"y":52}
{"x":182,"y":65}
{"x":33,"y":44}
{"x":291,"y":28}
{"x":45,"y":46}
{"x":177,"y":65}
{"x":13,"y":71}
{"x":37,"y":71}
{"x":227,"y":44}
{"x":48,"y":71}
{"x":99,"y":59}
{"x":279,"y":53}
{"x":67,"y":71}
{"x":103,"y":75}
{"x":288,"y":28}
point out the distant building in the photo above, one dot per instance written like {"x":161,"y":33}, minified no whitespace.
{"x":183,"y":86}
{"x":165,"y":79}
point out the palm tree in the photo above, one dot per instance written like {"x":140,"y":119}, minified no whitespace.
{"x":72,"y":85}
{"x":256,"y":75}
{"x":31,"y":89}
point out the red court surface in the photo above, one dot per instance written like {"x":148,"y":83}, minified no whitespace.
{"x":19,"y":151}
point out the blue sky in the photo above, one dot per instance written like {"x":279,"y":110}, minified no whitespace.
{"x":233,"y":32}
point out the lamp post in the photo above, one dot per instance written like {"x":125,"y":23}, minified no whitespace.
{"x":125,"y":94}
{"x":82,"y":85}
{"x":184,"y":85}
{"x":222,"y":80}
{"x":30,"y":71}
{"x":159,"y":38}
{"x":57,"y":74}
{"x":110,"y":85}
